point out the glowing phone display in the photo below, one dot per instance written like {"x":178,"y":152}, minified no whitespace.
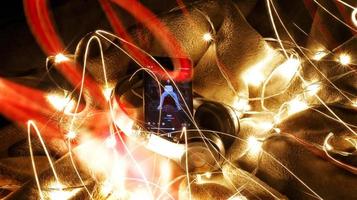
{"x":167,"y":104}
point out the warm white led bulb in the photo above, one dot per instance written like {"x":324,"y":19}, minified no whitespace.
{"x":107,"y":92}
{"x":344,"y":59}
{"x":71,"y":135}
{"x":296,"y":105}
{"x":319,"y":55}
{"x":61,"y":58}
{"x":313,"y":89}
{"x":254,"y":146}
{"x":61,"y":103}
{"x":253,"y":77}
{"x":207,"y":37}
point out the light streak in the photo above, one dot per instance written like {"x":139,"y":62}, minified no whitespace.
{"x":129,"y":126}
{"x":163,"y":34}
{"x":354,"y":16}
{"x":353,"y":13}
{"x":332,"y":15}
{"x":42,"y":27}
{"x":320,"y":72}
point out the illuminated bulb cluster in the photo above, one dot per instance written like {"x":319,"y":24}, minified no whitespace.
{"x":59,"y":58}
{"x":344,"y":59}
{"x":207,"y":37}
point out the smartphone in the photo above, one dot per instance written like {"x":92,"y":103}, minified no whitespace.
{"x":167,"y":104}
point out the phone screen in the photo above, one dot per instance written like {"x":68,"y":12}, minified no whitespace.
{"x":167,"y":105}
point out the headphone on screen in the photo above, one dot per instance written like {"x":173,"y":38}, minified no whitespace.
{"x":200,"y":150}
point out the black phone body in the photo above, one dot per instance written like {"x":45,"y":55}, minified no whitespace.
{"x":167,"y":103}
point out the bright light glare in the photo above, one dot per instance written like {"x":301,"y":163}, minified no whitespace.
{"x":165,"y":148}
{"x":266,"y":125}
{"x":207,"y":37}
{"x":319,"y":55}
{"x":71,"y":135}
{"x":199,"y":179}
{"x":140,"y":194}
{"x":107,"y":92}
{"x":253,"y":77}
{"x":313,"y":89}
{"x":296,"y":105}
{"x":110,"y":142}
{"x":106,"y":188}
{"x":238,"y":197}
{"x":208,"y":174}
{"x":165,"y":172}
{"x":59,"y":58}
{"x":254,"y":146}
{"x":61,"y":103}
{"x":288,"y":69}
{"x":241,"y":104}
{"x":354,"y":103}
{"x":344,"y":59}
{"x":58,"y":193}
